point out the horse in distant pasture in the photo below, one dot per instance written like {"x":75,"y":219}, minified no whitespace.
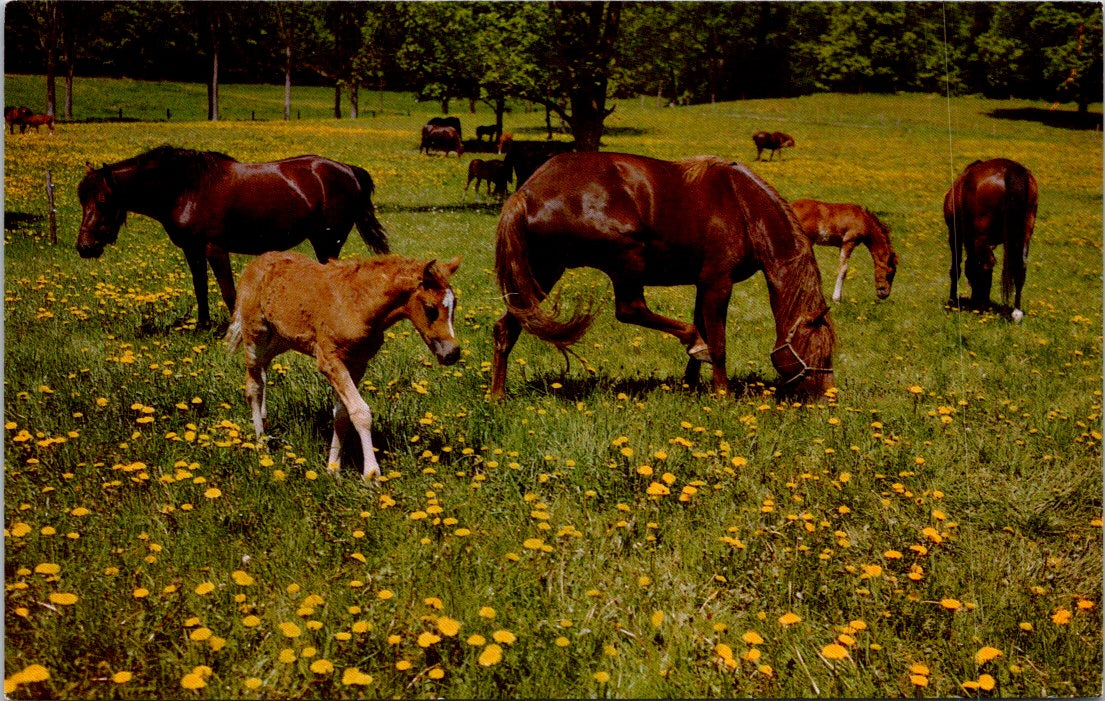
{"x":491,"y":171}
{"x":491,"y":132}
{"x":453,"y":122}
{"x":15,"y":116}
{"x":337,"y":313}
{"x":211,"y":205}
{"x":505,"y":141}
{"x":846,"y":226}
{"x":524,"y":157}
{"x":37,"y":120}
{"x":699,"y":221}
{"x":990,"y":204}
{"x":445,"y":139}
{"x":774,"y":141}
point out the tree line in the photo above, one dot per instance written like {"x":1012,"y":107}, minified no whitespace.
{"x":573,"y":58}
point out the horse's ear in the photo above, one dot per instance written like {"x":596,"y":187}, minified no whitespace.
{"x":430,"y":277}
{"x":449,"y":268}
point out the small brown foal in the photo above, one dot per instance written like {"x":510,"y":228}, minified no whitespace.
{"x":338,"y":313}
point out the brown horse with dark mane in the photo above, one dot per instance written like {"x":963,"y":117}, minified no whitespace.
{"x":771,"y":141}
{"x":700,"y":221}
{"x":845,"y":226}
{"x":211,"y":206}
{"x":990,"y":204}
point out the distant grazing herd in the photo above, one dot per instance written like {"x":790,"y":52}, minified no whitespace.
{"x":23,"y":117}
{"x":701,"y":221}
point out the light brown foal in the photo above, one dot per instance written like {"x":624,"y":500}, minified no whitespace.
{"x":337,"y":313}
{"x":846,"y":226}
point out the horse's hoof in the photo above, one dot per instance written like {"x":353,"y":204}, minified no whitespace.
{"x":700,"y":351}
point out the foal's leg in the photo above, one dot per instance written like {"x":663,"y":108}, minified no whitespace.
{"x":845,"y":253}
{"x":219,"y":260}
{"x":342,"y":422}
{"x":358,"y":412}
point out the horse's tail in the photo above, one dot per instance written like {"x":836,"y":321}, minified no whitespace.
{"x":233,"y":336}
{"x":1015,"y":256}
{"x":522,"y":292}
{"x":370,"y":228}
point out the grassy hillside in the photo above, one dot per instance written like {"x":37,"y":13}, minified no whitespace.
{"x":933,"y":529}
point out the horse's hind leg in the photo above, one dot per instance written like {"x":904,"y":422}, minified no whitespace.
{"x":505,"y":335}
{"x":197,"y":264}
{"x":219,"y":260}
{"x":955,"y":243}
{"x":630,"y":308}
{"x":344,"y":381}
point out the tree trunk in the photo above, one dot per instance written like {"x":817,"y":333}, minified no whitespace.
{"x":287,"y":82}
{"x":354,"y":101}
{"x":213,"y":84}
{"x":69,"y":42}
{"x":500,"y":109}
{"x":51,"y":40}
{"x":337,"y":100}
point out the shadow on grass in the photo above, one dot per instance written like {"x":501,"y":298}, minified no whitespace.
{"x":964,"y":304}
{"x":493,"y":208}
{"x":1060,"y":119}
{"x":21,"y":220}
{"x":575,"y":389}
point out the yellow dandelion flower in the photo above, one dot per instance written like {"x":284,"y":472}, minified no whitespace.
{"x":833,"y":651}
{"x":193,"y":681}
{"x":200,"y":634}
{"x":533,"y":543}
{"x":655,"y":489}
{"x":486,"y":612}
{"x":253,"y":683}
{"x":476,"y":640}
{"x":789,"y":618}
{"x":242,"y":578}
{"x":919,"y":668}
{"x":951,"y":604}
{"x":986,"y":654}
{"x":752,"y":638}
{"x":213,"y":493}
{"x":204,"y":588}
{"x":448,"y":626}
{"x":436,"y":673}
{"x":723,"y":651}
{"x":919,"y":680}
{"x":290,"y":630}
{"x":986,"y":682}
{"x":427,"y":639}
{"x":287,"y":655}
{"x":355,"y":677}
{"x":322,"y":666}
{"x":251,"y":621}
{"x":63,"y":598}
{"x":122,"y":677}
{"x":385,"y":594}
{"x":602,"y":677}
{"x":503,"y":636}
{"x":140,"y":593}
{"x":656,"y":619}
{"x":491,"y":655}
{"x":562,"y":642}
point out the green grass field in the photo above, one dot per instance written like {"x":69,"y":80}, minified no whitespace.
{"x":934,"y":529}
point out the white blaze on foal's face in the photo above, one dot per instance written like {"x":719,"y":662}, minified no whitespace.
{"x":450,"y":303}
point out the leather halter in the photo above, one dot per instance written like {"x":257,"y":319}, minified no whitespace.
{"x":797,"y":359}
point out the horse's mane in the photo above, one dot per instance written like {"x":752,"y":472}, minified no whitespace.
{"x":180,"y":166}
{"x":695,"y":167}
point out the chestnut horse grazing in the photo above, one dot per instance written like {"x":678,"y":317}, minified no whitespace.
{"x":700,"y":221}
{"x":211,"y":206}
{"x":991,"y":203}
{"x":338,"y":313}
{"x":846,"y":226}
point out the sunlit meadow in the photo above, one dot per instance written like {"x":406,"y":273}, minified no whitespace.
{"x":932,"y":529}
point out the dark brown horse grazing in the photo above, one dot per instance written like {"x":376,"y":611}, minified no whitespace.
{"x":701,"y":221}
{"x":991,"y":203}
{"x":443,"y":139}
{"x":211,"y":205}
{"x":490,"y":171}
{"x":846,"y":226}
{"x":773,"y":141}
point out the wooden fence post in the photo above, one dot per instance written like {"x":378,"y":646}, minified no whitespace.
{"x":53,"y":211}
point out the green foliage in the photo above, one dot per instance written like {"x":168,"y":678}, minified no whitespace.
{"x":944,"y":506}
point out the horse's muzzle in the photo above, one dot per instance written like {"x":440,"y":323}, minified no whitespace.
{"x":446,"y":352}
{"x":90,"y":251}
